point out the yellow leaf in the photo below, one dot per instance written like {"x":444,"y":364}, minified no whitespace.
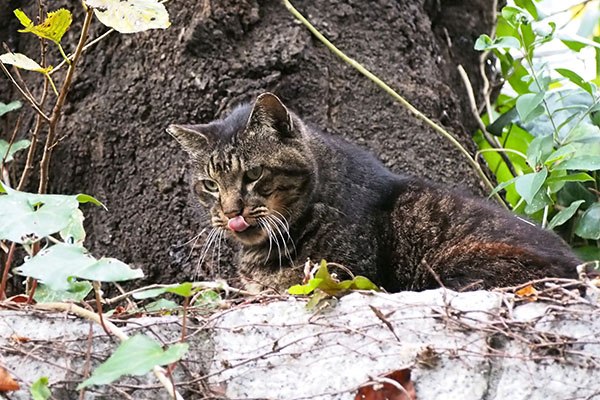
{"x":528,"y":292}
{"x":22,"y":61}
{"x":53,"y":28}
{"x":129,"y":16}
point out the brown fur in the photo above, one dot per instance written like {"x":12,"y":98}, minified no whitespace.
{"x":320,"y":197}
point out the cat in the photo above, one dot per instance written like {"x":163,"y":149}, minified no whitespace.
{"x":286,"y":192}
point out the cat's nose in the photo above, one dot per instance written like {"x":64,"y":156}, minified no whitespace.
{"x":233,"y":208}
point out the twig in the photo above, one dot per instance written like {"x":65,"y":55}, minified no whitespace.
{"x":491,"y":140}
{"x":9,"y":258}
{"x":12,"y":141}
{"x":482,"y":59}
{"x":82,"y":312}
{"x":88,"y":356}
{"x":56,"y":112}
{"x":85,"y":48}
{"x":25,"y":96}
{"x":395,"y":95}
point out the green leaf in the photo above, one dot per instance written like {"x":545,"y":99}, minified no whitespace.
{"x":129,"y":16}
{"x":528,"y":185}
{"x":53,"y":28}
{"x":588,"y":225}
{"x":579,"y":177}
{"x":528,"y":105}
{"x":209,"y":299}
{"x":305,"y":289}
{"x":588,"y":253}
{"x":9,"y":152}
{"x":528,"y":5}
{"x":77,"y":292}
{"x":319,"y":296}
{"x":539,"y":149}
{"x":160,"y":305}
{"x":484,"y":42}
{"x":13,"y":105}
{"x":576,"y":79}
{"x":135,"y":356}
{"x":586,"y":163}
{"x":39,"y":390}
{"x":565,"y":214}
{"x":184,"y":289}
{"x":514,"y":16}
{"x":74,"y":233}
{"x":560,"y":153}
{"x":84,"y":198}
{"x":539,"y":201}
{"x":503,"y":185}
{"x":55,"y":265}
{"x":27,"y":217}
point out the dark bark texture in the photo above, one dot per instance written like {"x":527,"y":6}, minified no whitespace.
{"x":220,"y":53}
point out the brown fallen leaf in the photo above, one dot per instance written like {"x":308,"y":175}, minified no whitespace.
{"x":17,"y":338}
{"x":528,"y":292}
{"x":7,"y":383}
{"x":393,"y":386}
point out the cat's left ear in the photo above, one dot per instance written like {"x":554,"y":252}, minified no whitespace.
{"x":269,"y":110}
{"x":193,"y":138}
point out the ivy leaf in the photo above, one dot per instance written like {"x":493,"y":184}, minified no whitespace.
{"x":9,"y":152}
{"x":27,"y":217}
{"x":22,"y":61}
{"x":13,"y":105}
{"x":57,"y":264}
{"x":129,"y":16}
{"x":74,"y":233}
{"x":135,"y":356}
{"x":539,"y":149}
{"x":76,"y":292}
{"x":184,"y":289}
{"x":39,"y":390}
{"x":527,"y":105}
{"x":53,"y":28}
{"x":588,"y":225}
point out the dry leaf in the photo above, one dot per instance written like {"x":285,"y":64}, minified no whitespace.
{"x":17,"y":338}
{"x":7,"y":384}
{"x":389,"y":391}
{"x":528,"y":292}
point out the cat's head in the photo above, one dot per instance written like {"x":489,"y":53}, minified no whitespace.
{"x":253,"y":169}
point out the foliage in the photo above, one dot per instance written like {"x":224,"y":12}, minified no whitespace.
{"x":39,"y":390}
{"x":50,"y":228}
{"x":135,"y":356}
{"x":325,"y":285}
{"x":548,"y":127}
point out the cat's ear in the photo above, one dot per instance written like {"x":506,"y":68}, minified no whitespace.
{"x":193,"y":138}
{"x":269,"y":110}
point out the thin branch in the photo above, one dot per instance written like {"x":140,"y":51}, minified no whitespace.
{"x":25,"y":96}
{"x":56,"y":113}
{"x":12,"y":141}
{"x":491,"y":140}
{"x":396,"y":96}
{"x":85,"y":48}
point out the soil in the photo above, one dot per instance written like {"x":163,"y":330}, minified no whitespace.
{"x":218,"y":54}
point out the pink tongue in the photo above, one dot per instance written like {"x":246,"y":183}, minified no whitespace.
{"x":237,"y":224}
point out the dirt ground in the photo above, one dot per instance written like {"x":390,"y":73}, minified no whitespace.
{"x":218,"y":54}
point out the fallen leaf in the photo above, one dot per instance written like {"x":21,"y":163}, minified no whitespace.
{"x":389,"y":391}
{"x":7,"y":384}
{"x":17,"y":338}
{"x":20,"y":298}
{"x":528,"y":292}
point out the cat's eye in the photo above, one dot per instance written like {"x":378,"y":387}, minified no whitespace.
{"x":210,"y":185}
{"x":254,"y":173}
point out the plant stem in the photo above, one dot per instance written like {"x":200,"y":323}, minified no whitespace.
{"x":9,"y":258}
{"x":395,"y":95}
{"x":56,"y":112}
{"x":25,"y":96}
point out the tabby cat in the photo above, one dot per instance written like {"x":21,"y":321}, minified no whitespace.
{"x":287,"y":192}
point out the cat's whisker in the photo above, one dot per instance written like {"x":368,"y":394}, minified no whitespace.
{"x":285,"y":248}
{"x":268,"y":231}
{"x":286,"y":227}
{"x":209,"y":241}
{"x":278,"y":223}
{"x":195,"y":239}
{"x":287,"y":224}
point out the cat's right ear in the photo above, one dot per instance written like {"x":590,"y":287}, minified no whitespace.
{"x":192,"y":138}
